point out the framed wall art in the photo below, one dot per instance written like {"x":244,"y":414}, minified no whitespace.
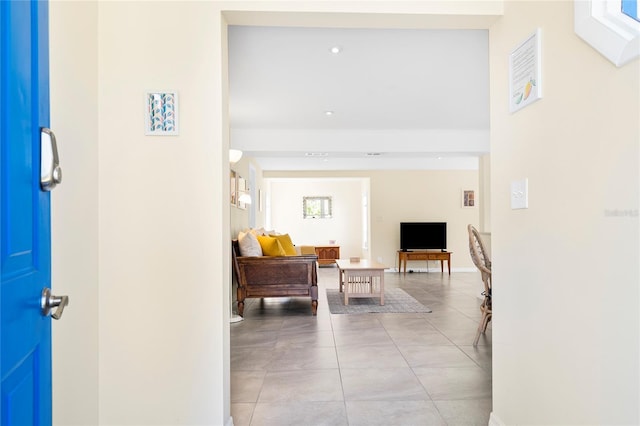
{"x":525,"y":73}
{"x":234,"y":188}
{"x":241,"y":190}
{"x":469,"y":198}
{"x":161,"y":113}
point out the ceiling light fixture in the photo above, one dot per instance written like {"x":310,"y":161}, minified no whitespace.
{"x":336,"y":49}
{"x":328,"y":113}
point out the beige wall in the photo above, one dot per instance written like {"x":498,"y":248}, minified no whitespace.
{"x":566,"y":322}
{"x":74,"y":209}
{"x":412,"y":196}
{"x":430,"y":196}
{"x":484,"y":183}
{"x":163,"y":330}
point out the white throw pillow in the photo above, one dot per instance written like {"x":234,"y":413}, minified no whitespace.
{"x":249,"y":245}
{"x":258,"y":231}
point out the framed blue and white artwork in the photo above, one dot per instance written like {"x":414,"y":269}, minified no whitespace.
{"x":161,"y":113}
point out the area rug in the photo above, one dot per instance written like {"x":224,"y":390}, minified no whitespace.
{"x":395,"y":301}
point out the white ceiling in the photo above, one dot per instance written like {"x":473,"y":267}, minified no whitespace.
{"x":401,"y":99}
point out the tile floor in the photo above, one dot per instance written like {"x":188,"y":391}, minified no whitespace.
{"x":291,"y":368}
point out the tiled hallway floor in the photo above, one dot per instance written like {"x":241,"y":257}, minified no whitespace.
{"x":290,"y":368}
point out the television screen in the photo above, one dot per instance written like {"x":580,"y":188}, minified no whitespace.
{"x":423,"y":235}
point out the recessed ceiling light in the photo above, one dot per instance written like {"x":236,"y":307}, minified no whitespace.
{"x":328,"y":113}
{"x":336,"y":49}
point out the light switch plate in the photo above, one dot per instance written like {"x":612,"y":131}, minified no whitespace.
{"x":520,"y":194}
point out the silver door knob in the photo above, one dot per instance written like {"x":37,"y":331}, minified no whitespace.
{"x":49,"y":301}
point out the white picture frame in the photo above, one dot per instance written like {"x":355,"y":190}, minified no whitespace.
{"x":525,"y":72}
{"x":233,"y":192}
{"x":241,"y":190}
{"x":161,"y":113}
{"x":469,"y":199}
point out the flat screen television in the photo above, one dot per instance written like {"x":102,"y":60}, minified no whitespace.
{"x":423,"y":236}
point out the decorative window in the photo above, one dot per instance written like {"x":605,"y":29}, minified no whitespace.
{"x":316,"y":207}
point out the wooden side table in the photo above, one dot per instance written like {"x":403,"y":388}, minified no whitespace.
{"x":404,"y":256}
{"x":327,"y":254}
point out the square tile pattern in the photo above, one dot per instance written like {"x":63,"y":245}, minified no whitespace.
{"x":391,"y":369}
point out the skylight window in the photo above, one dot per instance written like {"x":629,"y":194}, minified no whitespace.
{"x":630,"y":8}
{"x":609,"y":26}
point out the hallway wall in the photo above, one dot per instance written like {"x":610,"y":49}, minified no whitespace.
{"x":74,"y":210}
{"x":566,"y":301}
{"x":164,"y":228}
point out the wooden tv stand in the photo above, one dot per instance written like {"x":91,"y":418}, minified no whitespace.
{"x":404,"y":256}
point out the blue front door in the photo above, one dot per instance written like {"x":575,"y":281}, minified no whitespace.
{"x":25,"y":259}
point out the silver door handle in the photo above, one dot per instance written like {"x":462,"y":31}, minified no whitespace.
{"x":49,"y":301}
{"x":50,"y":171}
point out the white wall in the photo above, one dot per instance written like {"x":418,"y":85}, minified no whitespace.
{"x":74,"y":209}
{"x":345,"y":227}
{"x":566,"y":301}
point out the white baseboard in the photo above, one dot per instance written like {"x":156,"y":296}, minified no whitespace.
{"x":229,"y":421}
{"x":433,"y":270}
{"x":235,"y":318}
{"x":495,"y":421}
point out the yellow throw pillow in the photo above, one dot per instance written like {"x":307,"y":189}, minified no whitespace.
{"x":287,"y":245}
{"x":307,"y":250}
{"x":270,"y":246}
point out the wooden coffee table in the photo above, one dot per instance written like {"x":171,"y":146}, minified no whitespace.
{"x":361,"y":279}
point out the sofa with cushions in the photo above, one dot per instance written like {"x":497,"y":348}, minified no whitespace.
{"x":271,"y":266}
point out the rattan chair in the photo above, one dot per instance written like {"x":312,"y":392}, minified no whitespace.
{"x":482,"y":261}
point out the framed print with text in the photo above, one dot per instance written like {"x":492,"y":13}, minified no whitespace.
{"x":525,"y":69}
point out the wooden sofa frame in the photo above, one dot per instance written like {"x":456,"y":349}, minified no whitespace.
{"x":275,"y":276}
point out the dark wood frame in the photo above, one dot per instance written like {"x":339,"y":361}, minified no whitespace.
{"x":275,"y":276}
